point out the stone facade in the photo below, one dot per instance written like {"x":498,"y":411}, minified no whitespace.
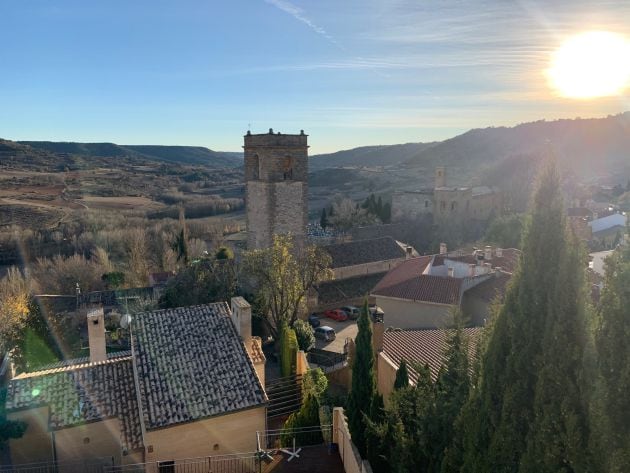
{"x":447,"y":203}
{"x":276,"y":186}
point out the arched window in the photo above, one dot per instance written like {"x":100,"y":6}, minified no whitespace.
{"x":288,"y":168}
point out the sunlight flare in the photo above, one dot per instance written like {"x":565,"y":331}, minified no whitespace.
{"x":592,"y":64}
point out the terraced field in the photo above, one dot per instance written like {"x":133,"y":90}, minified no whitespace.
{"x":28,"y":216}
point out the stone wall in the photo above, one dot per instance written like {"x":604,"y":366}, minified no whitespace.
{"x":352,"y":461}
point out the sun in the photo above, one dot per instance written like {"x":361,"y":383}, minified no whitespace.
{"x":590,"y":65}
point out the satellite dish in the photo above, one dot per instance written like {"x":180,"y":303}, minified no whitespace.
{"x":125,"y":320}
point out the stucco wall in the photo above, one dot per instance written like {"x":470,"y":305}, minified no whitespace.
{"x":89,"y":441}
{"x":36,"y":444}
{"x":385,"y":376}
{"x":230,"y":433}
{"x":476,"y":310}
{"x":352,"y":461}
{"x":400,"y":313}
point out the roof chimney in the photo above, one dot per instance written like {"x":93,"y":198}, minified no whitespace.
{"x":408,"y":252}
{"x":242,"y":319}
{"x":487,"y":253}
{"x":378,"y":329}
{"x":96,"y":334}
{"x":499,"y":252}
{"x":471,"y":270}
{"x":443,"y":249}
{"x":497,"y":271}
{"x":451,"y":272}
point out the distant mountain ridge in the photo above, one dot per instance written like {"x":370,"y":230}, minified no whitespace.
{"x":197,"y":155}
{"x":585,"y":146}
{"x":380,"y":155}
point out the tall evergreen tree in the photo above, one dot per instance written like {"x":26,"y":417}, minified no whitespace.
{"x":502,"y":410}
{"x":363,"y":388}
{"x":323,"y":220}
{"x":402,"y":376}
{"x":613,"y":360}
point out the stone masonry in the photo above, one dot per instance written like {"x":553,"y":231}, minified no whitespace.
{"x":276,"y":186}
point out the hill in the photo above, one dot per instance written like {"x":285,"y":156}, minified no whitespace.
{"x":586,"y":147}
{"x":177,"y":154}
{"x":384,"y":155}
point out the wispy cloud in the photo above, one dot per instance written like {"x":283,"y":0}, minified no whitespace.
{"x":297,"y":13}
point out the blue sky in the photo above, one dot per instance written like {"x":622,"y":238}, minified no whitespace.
{"x":348,"y":72}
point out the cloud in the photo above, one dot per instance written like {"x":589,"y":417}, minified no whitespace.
{"x":297,"y":13}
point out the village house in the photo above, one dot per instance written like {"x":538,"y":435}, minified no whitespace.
{"x":357,"y":267}
{"x":422,"y":292}
{"x":191,"y":386}
{"x":416,"y":347}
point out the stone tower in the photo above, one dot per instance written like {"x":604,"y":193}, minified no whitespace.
{"x":440,"y":176}
{"x":276,"y":186}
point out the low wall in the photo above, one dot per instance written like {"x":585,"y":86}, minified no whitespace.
{"x":352,"y":461}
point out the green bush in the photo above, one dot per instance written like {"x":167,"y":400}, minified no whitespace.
{"x":305,"y":334}
{"x":288,"y":351}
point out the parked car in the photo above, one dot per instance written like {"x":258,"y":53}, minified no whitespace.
{"x":314,"y":320}
{"x":325,"y":333}
{"x":352,"y":311}
{"x":336,"y":314}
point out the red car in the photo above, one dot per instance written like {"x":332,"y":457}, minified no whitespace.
{"x":336,"y":314}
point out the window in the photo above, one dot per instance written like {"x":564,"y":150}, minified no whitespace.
{"x":426,"y":204}
{"x":255,"y":167}
{"x":442,"y":205}
{"x":453,"y":205}
{"x":288,"y":168}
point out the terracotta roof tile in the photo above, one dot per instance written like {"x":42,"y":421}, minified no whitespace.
{"x":424,"y":347}
{"x":191,"y":365}
{"x":405,"y":271}
{"x":364,"y":251}
{"x":491,"y":288}
{"x":426,"y":288}
{"x":257,"y":353}
{"x":82,"y":393}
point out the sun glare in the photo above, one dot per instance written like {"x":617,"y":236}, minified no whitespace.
{"x":590,"y":65}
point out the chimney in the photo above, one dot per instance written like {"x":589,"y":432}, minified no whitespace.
{"x":451,"y":272}
{"x":497,"y":271}
{"x":595,"y":215}
{"x":487,"y":253}
{"x":408,"y":252}
{"x":378,"y":329}
{"x":471,"y":270}
{"x":487,"y":268}
{"x":242,"y":319}
{"x":443,"y":248}
{"x":96,"y":334}
{"x":499,"y":252}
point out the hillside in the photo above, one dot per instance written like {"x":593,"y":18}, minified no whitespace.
{"x":177,"y":154}
{"x":384,"y":155}
{"x":587,"y":147}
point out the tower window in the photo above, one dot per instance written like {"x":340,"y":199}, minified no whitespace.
{"x":255,"y":167}
{"x":426,"y":204}
{"x":453,"y":205}
{"x":288,"y":168}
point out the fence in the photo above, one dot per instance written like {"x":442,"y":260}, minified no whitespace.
{"x":294,"y":437}
{"x":88,"y":466}
{"x":327,"y":360}
{"x":352,"y":461}
{"x":285,"y":395}
{"x":237,"y":463}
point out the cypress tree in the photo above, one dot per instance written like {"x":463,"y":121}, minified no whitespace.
{"x":363,"y":386}
{"x":613,"y":362}
{"x":323,"y":220}
{"x":402,"y":376}
{"x":502,"y":410}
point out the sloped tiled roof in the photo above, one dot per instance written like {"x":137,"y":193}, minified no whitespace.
{"x":192,"y":365}
{"x":340,"y":290}
{"x":490,"y":288}
{"x":82,"y":393}
{"x":426,"y":288}
{"x":423,"y":347}
{"x":404,"y":271}
{"x":364,"y":251}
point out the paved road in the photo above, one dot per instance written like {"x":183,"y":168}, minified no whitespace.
{"x":347,"y":329}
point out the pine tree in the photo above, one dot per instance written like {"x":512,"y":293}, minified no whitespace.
{"x":613,"y":362}
{"x":503,"y":409}
{"x":402,"y":376}
{"x":363,"y":386}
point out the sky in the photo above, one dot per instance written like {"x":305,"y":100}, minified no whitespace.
{"x":348,"y":72}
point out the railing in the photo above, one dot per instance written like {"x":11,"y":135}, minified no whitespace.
{"x":327,"y":360}
{"x":294,"y":437}
{"x":285,"y":395}
{"x":237,"y":463}
{"x":98,"y":465}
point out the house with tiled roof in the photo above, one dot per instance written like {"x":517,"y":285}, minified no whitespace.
{"x":421,"y":293}
{"x":191,"y":386}
{"x":416,"y":347}
{"x":362,"y":257}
